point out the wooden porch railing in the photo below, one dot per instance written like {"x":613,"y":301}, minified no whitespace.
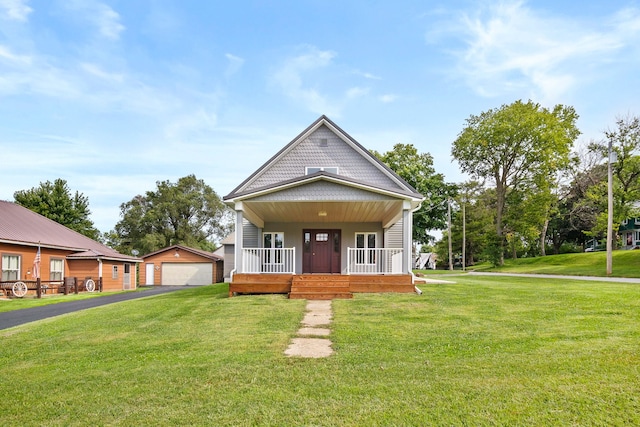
{"x":266,"y":260}
{"x":374,"y":261}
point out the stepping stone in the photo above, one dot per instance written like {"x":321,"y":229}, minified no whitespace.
{"x":309,"y":347}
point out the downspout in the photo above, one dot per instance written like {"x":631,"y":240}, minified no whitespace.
{"x":100,"y":273}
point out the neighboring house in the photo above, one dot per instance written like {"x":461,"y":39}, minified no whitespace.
{"x":227,"y":251}
{"x":64,"y":253}
{"x":181,"y":265}
{"x":629,"y":232}
{"x":426,"y":261}
{"x":321,"y":219}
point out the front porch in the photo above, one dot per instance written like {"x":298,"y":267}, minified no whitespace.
{"x":319,"y":286}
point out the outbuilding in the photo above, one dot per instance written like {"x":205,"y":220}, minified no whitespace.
{"x":180,"y":265}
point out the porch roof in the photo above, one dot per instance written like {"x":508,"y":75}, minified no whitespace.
{"x":341,"y":199}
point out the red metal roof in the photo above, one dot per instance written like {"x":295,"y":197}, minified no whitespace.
{"x":20,"y":225}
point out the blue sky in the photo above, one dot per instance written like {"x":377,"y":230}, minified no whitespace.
{"x":113,"y":96}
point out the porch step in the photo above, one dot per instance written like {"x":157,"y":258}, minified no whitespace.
{"x":320,"y":287}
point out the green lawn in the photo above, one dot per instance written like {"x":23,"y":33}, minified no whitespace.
{"x":482,"y":351}
{"x":625,"y":264}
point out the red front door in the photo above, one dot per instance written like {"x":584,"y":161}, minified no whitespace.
{"x":321,"y":251}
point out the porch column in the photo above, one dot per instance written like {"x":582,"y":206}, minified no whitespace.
{"x":239,"y":242}
{"x":407,"y":237}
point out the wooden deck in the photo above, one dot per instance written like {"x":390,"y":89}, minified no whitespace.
{"x":319,"y":286}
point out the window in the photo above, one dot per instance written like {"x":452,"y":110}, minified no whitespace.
{"x":10,"y":267}
{"x":367,"y":243}
{"x":57,"y":270}
{"x":637,"y":236}
{"x":273,"y":242}
{"x":311,"y":170}
{"x":307,"y":242}
{"x":114,"y":272}
{"x":322,"y":237}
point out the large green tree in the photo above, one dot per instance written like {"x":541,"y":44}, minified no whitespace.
{"x":55,"y":201}
{"x":625,"y":143}
{"x":187,"y":212}
{"x":518,"y":147}
{"x":417,"y":169}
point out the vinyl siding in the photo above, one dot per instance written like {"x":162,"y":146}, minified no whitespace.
{"x":310,"y":153}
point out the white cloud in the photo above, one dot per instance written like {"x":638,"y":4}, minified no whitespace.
{"x":235,"y":63}
{"x":357,"y":92}
{"x":100,"y":15}
{"x":15,"y":10}
{"x":191,"y":125}
{"x":388,"y":98}
{"x":15,"y":59}
{"x":291,"y":79}
{"x":108,"y":21}
{"x":97,"y":71}
{"x":510,"y":47}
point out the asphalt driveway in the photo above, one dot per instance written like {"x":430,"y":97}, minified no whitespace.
{"x":10,"y":319}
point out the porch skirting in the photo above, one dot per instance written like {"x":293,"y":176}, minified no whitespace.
{"x":319,"y":286}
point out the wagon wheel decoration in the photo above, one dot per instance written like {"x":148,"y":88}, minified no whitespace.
{"x":19,"y":289}
{"x":90,"y":285}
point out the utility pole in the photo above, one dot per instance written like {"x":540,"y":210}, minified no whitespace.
{"x":610,"y":211}
{"x":449,"y":232}
{"x":464,"y":236}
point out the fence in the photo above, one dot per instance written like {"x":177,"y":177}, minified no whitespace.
{"x":20,"y":288}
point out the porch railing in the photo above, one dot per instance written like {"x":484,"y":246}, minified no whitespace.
{"x":265,"y":260}
{"x":374,"y":261}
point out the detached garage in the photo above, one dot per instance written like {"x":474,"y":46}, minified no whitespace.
{"x":179,"y":265}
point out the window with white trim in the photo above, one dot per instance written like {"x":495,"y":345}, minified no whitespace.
{"x":56,"y":271}
{"x":273,"y":241}
{"x":637,"y":233}
{"x":314,"y":169}
{"x":366,"y":244}
{"x":10,"y":267}
{"x":114,"y":272}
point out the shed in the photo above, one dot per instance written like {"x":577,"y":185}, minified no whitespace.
{"x":180,"y":265}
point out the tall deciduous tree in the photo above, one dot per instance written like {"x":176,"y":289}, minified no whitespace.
{"x":625,"y":143}
{"x":55,"y":201}
{"x":417,"y":169}
{"x":187,"y":212}
{"x":516,"y":147}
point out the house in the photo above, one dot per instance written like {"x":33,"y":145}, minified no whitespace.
{"x":64,"y":253}
{"x":181,"y":265}
{"x":629,"y":232}
{"x":227,"y":252}
{"x":426,"y":261}
{"x":323,"y":218}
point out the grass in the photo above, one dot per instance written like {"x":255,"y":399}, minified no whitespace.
{"x":29,"y":301}
{"x":482,"y":351}
{"x":625,"y":264}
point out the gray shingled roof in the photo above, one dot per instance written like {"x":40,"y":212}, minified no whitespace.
{"x":20,"y":225}
{"x":244,"y":187}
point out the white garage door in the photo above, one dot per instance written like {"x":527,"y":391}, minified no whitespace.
{"x":187,"y":273}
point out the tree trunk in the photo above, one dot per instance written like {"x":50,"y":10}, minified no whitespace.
{"x":543,"y":237}
{"x":500,"y":201}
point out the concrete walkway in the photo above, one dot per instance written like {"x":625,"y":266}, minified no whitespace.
{"x":311,"y":341}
